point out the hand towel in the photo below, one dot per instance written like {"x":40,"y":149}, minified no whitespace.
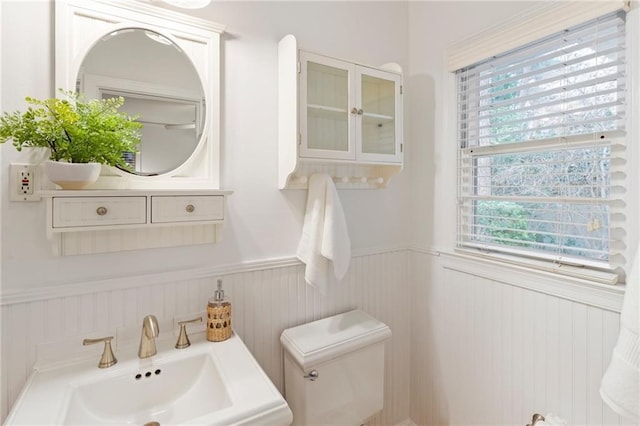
{"x":620,"y":387}
{"x":325,"y":238}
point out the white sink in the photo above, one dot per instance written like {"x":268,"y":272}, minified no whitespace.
{"x":175,"y":391}
{"x":206,"y":383}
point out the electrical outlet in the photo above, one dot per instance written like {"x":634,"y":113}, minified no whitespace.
{"x":25,"y":184}
{"x":23,"y":181}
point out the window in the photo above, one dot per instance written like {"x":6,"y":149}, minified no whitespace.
{"x":541,"y":135}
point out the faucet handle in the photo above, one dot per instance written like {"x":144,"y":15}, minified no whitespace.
{"x":108,"y":358}
{"x":183,"y":339}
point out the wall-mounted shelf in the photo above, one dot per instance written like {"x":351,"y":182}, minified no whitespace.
{"x":337,"y":118}
{"x":85,"y":221}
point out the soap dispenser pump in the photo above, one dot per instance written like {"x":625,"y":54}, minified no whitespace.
{"x":218,"y":316}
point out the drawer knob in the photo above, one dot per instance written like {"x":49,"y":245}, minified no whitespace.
{"x":101,"y":211}
{"x":190,"y":208}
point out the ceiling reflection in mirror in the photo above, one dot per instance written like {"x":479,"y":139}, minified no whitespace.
{"x":159,"y":85}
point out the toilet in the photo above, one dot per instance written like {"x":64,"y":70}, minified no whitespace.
{"x":334,"y":369}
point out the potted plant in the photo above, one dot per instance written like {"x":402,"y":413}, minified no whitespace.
{"x":80,"y":134}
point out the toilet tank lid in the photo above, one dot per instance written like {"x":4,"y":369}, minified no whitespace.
{"x":319,"y":341}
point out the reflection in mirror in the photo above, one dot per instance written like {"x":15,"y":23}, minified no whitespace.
{"x":159,"y":85}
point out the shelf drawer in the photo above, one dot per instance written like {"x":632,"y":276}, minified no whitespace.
{"x":187,"y":208}
{"x":70,"y":212}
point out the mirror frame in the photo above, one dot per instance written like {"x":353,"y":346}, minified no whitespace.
{"x":198,"y":39}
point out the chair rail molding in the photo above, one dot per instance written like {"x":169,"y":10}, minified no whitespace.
{"x":57,"y":290}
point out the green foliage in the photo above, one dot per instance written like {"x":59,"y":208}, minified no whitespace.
{"x":504,"y":221}
{"x":76,"y":130}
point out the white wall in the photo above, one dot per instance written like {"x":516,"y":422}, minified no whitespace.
{"x":490,"y":345}
{"x":431,"y":100}
{"x":264,"y":221}
{"x":432,"y":153}
{"x":461,"y":323}
{"x":48,"y":304}
{"x":490,"y":350}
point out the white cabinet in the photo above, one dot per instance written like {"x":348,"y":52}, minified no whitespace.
{"x":337,"y":117}
{"x":97,"y":221}
{"x":348,"y":111}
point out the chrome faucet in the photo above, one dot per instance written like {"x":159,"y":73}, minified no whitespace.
{"x":148,"y":337}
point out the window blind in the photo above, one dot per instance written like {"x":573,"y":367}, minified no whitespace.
{"x":534,"y":23}
{"x":541,"y":136}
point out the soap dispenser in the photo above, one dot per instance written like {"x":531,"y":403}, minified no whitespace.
{"x":218,"y":316}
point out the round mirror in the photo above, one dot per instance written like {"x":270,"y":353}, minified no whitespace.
{"x":159,"y":84}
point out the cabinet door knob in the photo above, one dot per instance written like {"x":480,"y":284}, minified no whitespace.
{"x":360,"y":111}
{"x":354,"y":110}
{"x":190,"y":208}
{"x":101,"y":211}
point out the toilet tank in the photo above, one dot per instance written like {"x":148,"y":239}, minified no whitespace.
{"x":345,"y":353}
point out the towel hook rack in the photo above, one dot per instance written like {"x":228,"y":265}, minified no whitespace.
{"x":369,"y":180}
{"x":359,"y":179}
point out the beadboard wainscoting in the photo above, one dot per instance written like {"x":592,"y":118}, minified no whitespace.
{"x":465,"y":349}
{"x":267,"y":298}
{"x":486,"y":352}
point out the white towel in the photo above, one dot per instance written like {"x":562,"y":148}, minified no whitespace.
{"x":324,"y":234}
{"x":620,"y":387}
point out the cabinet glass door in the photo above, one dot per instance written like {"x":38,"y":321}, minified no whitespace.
{"x":325,"y":119}
{"x":379,"y":112}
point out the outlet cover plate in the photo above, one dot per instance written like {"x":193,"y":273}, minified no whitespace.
{"x":16,"y":171}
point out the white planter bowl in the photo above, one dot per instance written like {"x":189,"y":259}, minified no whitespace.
{"x":72,"y":175}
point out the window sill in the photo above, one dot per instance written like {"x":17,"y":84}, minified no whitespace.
{"x":583,"y":288}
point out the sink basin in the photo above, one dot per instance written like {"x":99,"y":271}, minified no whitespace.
{"x":207,"y":383}
{"x":169,"y":393}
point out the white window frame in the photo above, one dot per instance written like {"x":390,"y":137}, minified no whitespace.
{"x":560,"y":13}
